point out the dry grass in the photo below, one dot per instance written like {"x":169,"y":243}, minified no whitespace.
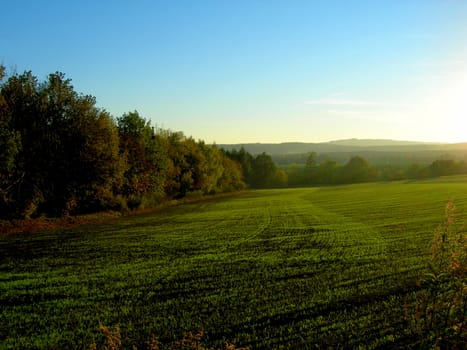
{"x":191,"y":341}
{"x":50,"y":224}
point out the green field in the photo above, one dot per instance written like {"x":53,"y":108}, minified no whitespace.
{"x":288,"y":268}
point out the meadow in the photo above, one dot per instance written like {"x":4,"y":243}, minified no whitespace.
{"x":270,"y":269}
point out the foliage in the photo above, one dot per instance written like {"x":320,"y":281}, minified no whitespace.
{"x":10,"y":145}
{"x":259,"y":171}
{"x":145,"y":159}
{"x":62,"y":155}
{"x":438,"y":313}
{"x":357,"y":170}
{"x":63,"y":151}
{"x":317,"y":170}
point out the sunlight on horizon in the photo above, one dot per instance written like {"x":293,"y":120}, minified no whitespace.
{"x":445,"y":109}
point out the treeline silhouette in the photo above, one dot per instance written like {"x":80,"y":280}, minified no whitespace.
{"x":61,"y":155}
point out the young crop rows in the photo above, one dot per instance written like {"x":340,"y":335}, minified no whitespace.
{"x":291,"y":268}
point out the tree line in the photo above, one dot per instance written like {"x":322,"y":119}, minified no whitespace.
{"x":62,"y":155}
{"x":358,"y":169}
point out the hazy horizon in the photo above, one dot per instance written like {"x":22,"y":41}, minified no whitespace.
{"x":351,"y":139}
{"x":257,"y":71}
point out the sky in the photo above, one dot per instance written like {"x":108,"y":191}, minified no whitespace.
{"x":264,"y":71}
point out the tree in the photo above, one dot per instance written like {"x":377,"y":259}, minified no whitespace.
{"x":232,"y":177}
{"x":187,"y":168}
{"x":145,"y":159}
{"x":10,"y":146}
{"x":445,"y":167}
{"x":214,"y":167}
{"x":245,"y":160}
{"x":66,"y":151}
{"x":263,"y":171}
{"x":80,"y":151}
{"x":97,"y":161}
{"x":311,"y":167}
{"x":327,"y":172}
{"x":413,"y":171}
{"x":22,"y":118}
{"x":357,"y":169}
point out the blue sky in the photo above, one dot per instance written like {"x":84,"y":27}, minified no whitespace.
{"x":257,"y":71}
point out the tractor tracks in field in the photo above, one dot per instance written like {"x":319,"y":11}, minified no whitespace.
{"x":253,"y":232}
{"x":284,"y":228}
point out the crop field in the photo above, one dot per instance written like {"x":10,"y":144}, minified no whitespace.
{"x":270,"y":269}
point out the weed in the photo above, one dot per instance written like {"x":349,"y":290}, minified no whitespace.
{"x":437,"y":315}
{"x":191,"y":341}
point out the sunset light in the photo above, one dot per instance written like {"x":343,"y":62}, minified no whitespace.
{"x":233,"y":174}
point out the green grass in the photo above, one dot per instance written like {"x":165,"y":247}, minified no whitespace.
{"x":286,"y":268}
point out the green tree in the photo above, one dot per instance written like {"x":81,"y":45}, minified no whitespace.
{"x":23,"y":118}
{"x":232,"y":177}
{"x":10,"y":146}
{"x":445,"y":167}
{"x":80,"y":153}
{"x":187,"y":167}
{"x":311,"y":168}
{"x":195,"y":172}
{"x":245,"y":160}
{"x":327,"y":172}
{"x":145,"y":158}
{"x":358,"y":169}
{"x":214,"y":168}
{"x":413,"y":171}
{"x":281,"y":178}
{"x":263,"y":171}
{"x":67,"y":156}
{"x":98,"y":162}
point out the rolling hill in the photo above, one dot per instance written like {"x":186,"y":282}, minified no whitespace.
{"x":376,"y":150}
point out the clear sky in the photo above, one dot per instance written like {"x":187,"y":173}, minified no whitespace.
{"x":232,"y":71}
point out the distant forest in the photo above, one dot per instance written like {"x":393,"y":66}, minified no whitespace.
{"x":61,"y":155}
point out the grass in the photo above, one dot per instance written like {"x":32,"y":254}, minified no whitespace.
{"x":269,"y":269}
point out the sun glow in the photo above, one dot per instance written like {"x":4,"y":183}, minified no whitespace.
{"x":443,"y":113}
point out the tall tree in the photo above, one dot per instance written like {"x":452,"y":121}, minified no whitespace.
{"x":232,"y":177}
{"x":245,"y":160}
{"x":68,"y":155}
{"x":20,"y":93}
{"x":263,"y":171}
{"x":145,"y":156}
{"x":311,"y":167}
{"x":10,"y":146}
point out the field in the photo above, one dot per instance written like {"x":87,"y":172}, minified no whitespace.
{"x":289,"y":268}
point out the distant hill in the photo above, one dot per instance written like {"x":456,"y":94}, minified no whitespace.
{"x":379,"y":151}
{"x":349,"y":145}
{"x":379,"y":142}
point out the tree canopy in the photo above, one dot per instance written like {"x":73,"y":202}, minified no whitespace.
{"x":63,"y":155}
